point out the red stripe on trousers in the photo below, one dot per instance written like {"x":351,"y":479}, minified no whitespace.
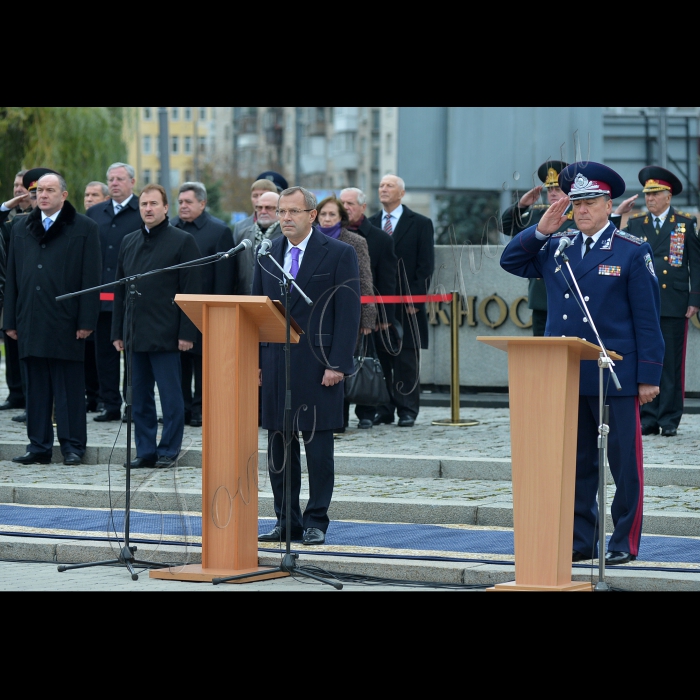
{"x":636,"y":529}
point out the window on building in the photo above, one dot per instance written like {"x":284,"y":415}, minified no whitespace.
{"x":389,"y":144}
{"x":376,"y":120}
{"x":147,"y":144}
{"x":146,"y":177}
{"x":147,"y":114}
{"x":187,"y":113}
{"x":174,"y":144}
{"x":174,"y":113}
{"x":188,"y":176}
{"x":202,"y":112}
{"x":375,"y":157}
{"x":188,"y":144}
{"x":202,"y":140}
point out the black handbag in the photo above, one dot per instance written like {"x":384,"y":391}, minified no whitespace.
{"x":366,"y":385}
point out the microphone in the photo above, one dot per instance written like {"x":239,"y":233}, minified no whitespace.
{"x":563,"y":245}
{"x":245,"y":244}
{"x":264,"y":248}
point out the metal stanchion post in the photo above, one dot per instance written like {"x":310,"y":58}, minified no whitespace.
{"x":455,"y":420}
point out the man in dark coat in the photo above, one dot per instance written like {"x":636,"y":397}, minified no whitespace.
{"x":328,"y":272}
{"x":161,"y":330}
{"x":54,"y":251}
{"x":116,"y":217}
{"x":673,"y":236}
{"x":384,"y":268}
{"x":212,"y":236}
{"x":414,"y":244}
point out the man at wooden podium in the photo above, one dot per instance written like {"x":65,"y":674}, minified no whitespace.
{"x":327,"y":270}
{"x":615,"y":272}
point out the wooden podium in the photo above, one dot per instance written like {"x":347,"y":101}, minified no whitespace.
{"x":543,"y":378}
{"x":232,"y":328}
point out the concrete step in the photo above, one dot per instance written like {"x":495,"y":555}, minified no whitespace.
{"x":380,"y":464}
{"x":366,"y":508}
{"x":474,"y":573}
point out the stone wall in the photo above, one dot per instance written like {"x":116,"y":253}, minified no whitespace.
{"x":495,"y":304}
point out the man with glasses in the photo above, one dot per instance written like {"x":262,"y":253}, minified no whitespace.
{"x":328,"y":272}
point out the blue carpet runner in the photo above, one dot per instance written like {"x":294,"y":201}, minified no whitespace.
{"x":86,"y":523}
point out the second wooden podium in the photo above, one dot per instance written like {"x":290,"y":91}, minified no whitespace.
{"x":543,"y":380}
{"x":232,"y":328}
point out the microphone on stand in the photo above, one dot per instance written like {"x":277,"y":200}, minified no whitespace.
{"x":245,"y":244}
{"x":264,"y":248}
{"x":564,"y":243}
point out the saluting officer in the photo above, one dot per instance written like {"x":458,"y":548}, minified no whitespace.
{"x":528,"y":213}
{"x":673,"y":237}
{"x":616,"y":274}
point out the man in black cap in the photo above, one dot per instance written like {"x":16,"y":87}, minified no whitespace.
{"x":673,"y":237}
{"x":527,"y":212}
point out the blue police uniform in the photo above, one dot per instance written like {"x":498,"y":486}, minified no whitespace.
{"x":618,"y":282}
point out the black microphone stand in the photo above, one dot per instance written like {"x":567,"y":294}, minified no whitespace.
{"x":126,"y":554}
{"x":289,"y":560}
{"x":604,"y":362}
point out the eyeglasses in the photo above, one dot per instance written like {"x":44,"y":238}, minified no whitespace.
{"x":265,"y":209}
{"x":291,"y":212}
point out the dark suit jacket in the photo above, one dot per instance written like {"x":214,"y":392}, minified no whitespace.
{"x":676,"y":258}
{"x":414,"y":245}
{"x":329,"y":275}
{"x":112,"y":231}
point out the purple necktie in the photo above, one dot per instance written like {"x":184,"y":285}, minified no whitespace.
{"x":295,"y":262}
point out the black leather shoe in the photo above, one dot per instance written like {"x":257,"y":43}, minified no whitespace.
{"x":196,"y":421}
{"x":577,"y":556}
{"x":612,"y":558}
{"x":406,"y":422}
{"x":71,"y":459}
{"x":20,"y":418}
{"x":7,"y":405}
{"x":277,"y":534}
{"x":669,"y":432}
{"x":141,"y":463}
{"x":105,"y":416}
{"x":650,"y":430}
{"x":33,"y":458}
{"x":165,"y":462}
{"x":365,"y":424}
{"x":379,"y":419}
{"x":314,"y":536}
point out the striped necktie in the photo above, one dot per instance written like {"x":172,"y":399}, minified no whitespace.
{"x":387,"y":225}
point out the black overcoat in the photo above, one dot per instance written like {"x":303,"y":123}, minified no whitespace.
{"x":158,"y":321}
{"x":414,"y":245}
{"x":46,"y":264}
{"x":112,"y":231}
{"x":329,"y":275}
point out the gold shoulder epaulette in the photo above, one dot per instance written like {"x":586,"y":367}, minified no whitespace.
{"x":636,"y":216}
{"x":540,"y":206}
{"x":685,"y":214}
{"x":629,"y":237}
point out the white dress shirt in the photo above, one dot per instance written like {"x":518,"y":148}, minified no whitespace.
{"x":394,"y":216}
{"x":122,"y":205}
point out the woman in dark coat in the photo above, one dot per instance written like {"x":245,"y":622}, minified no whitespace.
{"x":332,"y":221}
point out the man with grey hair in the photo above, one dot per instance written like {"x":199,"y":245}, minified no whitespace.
{"x":95,"y":192}
{"x":414,"y":243}
{"x":212,"y":236}
{"x":115,"y":217}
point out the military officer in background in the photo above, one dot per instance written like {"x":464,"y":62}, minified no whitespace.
{"x":673,"y":237}
{"x":527,"y":212}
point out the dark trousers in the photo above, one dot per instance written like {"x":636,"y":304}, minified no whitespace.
{"x":539,"y":322}
{"x":192,"y":366}
{"x":401,"y":375}
{"x":92,"y":381}
{"x":319,"y":459}
{"x":627,"y":466}
{"x":108,"y":363}
{"x":162,"y":368}
{"x":666,"y":410}
{"x":13,"y":373}
{"x":59,"y":382}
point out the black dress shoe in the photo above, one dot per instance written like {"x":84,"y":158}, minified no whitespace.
{"x":577,"y":556}
{"x":165,"y":462}
{"x":314,"y":536}
{"x":650,"y":430}
{"x":7,"y":405}
{"x":33,"y":458}
{"x":196,"y":421}
{"x":406,"y":422}
{"x":71,"y":459}
{"x":20,"y":418}
{"x":277,"y":534}
{"x":669,"y":432}
{"x":365,"y":424}
{"x":612,"y":558}
{"x":379,"y":419}
{"x":141,"y":463}
{"x":105,"y":416}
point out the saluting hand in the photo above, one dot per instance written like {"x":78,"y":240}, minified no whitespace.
{"x":554,"y":217}
{"x":626,"y":206}
{"x":12,"y":203}
{"x":530,"y":197}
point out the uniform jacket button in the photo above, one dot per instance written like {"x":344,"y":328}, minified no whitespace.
{"x":565,"y":317}
{"x":566,"y":296}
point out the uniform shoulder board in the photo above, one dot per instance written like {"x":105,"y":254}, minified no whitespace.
{"x":636,"y":216}
{"x":568,"y":232}
{"x":629,"y":237}
{"x":540,"y":206}
{"x":685,"y":214}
